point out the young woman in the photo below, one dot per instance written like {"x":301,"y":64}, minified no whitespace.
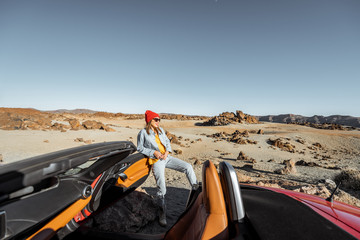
{"x":153,"y":142}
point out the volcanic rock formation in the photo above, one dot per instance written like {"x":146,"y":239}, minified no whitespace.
{"x":226,"y":118}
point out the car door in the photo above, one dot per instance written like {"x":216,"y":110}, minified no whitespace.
{"x":42,"y":196}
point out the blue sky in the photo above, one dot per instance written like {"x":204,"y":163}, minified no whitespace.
{"x":191,"y":57}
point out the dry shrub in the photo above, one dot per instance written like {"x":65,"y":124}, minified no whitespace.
{"x":349,"y":178}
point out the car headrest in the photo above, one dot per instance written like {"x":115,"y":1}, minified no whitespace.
{"x":213,"y":197}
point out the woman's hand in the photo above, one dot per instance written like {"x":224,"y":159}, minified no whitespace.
{"x":165,"y":155}
{"x":158,"y":155}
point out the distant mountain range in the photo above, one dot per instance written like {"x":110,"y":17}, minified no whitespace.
{"x":288,"y":118}
{"x":74,"y":111}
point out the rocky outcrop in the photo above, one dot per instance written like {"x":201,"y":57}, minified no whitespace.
{"x":226,"y":118}
{"x":91,"y":124}
{"x":314,"y":190}
{"x":108,"y":115}
{"x":173,"y":138}
{"x":243,"y":157}
{"x":330,"y":126}
{"x":283,"y":118}
{"x":60,"y":127}
{"x":282,"y":144}
{"x":235,"y":137}
{"x":75,"y":124}
{"x":167,"y":116}
{"x":74,"y":111}
{"x":330,"y":122}
{"x":308,"y":164}
{"x":22,"y":119}
{"x":182,"y":117}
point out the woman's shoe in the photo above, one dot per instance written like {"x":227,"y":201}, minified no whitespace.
{"x":162,"y":212}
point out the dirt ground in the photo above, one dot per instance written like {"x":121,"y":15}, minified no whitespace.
{"x":338,"y":151}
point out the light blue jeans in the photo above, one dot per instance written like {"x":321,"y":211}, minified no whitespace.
{"x":175,"y":164}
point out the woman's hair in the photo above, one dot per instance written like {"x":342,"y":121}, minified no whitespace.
{"x":148,"y":127}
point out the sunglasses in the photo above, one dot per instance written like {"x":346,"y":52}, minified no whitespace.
{"x":157,"y":119}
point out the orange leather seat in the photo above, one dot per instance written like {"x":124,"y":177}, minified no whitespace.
{"x":206,"y":218}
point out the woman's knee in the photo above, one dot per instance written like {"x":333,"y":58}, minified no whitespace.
{"x":188,"y":167}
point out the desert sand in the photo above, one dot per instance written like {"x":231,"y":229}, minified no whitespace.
{"x":332,"y":151}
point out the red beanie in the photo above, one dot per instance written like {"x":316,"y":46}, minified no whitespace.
{"x":149,"y":115}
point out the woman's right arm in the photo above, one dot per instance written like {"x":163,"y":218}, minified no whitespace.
{"x":140,"y":145}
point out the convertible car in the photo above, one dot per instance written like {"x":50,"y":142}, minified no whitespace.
{"x":52,"y":195}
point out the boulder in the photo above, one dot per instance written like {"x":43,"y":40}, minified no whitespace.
{"x":309,"y":164}
{"x":302,"y":141}
{"x":280,"y":143}
{"x":241,"y":141}
{"x":235,"y":137}
{"x":288,"y":169}
{"x":172,"y":138}
{"x":252,"y":120}
{"x":318,"y":145}
{"x":267,"y":184}
{"x":243,"y":178}
{"x":74,"y":124}
{"x":197,"y":162}
{"x":260,"y":131}
{"x":178,"y":151}
{"x":59,"y":126}
{"x":240,"y":115}
{"x":330,"y":184}
{"x":109,"y":129}
{"x":91,"y":124}
{"x":245,"y":133}
{"x":321,"y":191}
{"x":242,"y":156}
{"x":229,"y":115}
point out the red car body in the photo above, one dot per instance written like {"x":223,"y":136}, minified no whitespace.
{"x":343,"y":215}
